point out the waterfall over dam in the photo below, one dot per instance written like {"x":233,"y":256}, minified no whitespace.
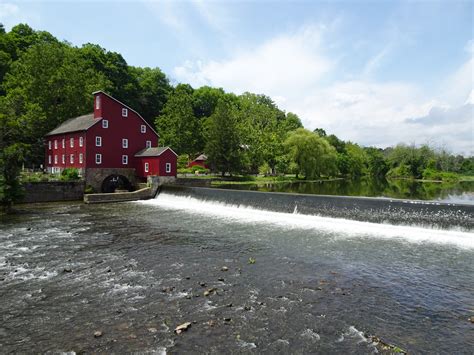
{"x":429,"y":214}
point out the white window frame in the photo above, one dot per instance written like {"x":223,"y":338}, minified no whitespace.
{"x":71,"y":159}
{"x":148,"y":144}
{"x":98,"y":141}
{"x":63,"y":158}
{"x":124,"y":143}
{"x":98,"y":158}
{"x":71,"y":142}
{"x":64,"y":143}
{"x":49,"y":145}
{"x":143,"y":128}
{"x":81,"y":141}
{"x":55,"y":159}
{"x":97,"y":102}
{"x":124,"y":112}
{"x":55,"y":144}
{"x":168,"y":167}
{"x":124,"y":159}
{"x":49,"y":159}
{"x":105,"y":123}
{"x":81,"y":158}
{"x":147,"y":167}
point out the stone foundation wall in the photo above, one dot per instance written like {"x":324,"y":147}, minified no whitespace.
{"x":95,"y":176}
{"x":142,"y":194}
{"x":53,"y":191}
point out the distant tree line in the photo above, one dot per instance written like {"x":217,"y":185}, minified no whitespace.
{"x":45,"y":81}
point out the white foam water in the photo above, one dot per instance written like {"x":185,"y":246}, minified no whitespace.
{"x":343,"y":227}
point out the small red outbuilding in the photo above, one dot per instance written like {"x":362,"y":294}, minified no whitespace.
{"x":159,"y":161}
{"x":199,"y":161}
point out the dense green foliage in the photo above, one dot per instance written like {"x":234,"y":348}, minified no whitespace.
{"x":313,"y":155}
{"x":70,"y":174}
{"x":45,"y":81}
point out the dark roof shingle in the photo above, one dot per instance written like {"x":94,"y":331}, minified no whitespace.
{"x":81,"y":123}
{"x":152,"y":152}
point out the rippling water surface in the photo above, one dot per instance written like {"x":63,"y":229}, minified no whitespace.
{"x":134,"y":271}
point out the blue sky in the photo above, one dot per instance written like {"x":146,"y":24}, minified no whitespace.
{"x":374,"y":72}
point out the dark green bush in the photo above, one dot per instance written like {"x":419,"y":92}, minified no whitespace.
{"x":432,"y":174}
{"x":69,"y":174}
{"x":199,"y":169}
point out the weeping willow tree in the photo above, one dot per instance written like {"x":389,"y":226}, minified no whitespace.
{"x":313,"y":155}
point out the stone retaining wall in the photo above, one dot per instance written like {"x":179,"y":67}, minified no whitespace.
{"x":142,"y":194}
{"x":53,"y":191}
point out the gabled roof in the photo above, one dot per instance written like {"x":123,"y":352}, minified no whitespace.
{"x":129,"y":108}
{"x":81,"y":123}
{"x":153,"y":152}
{"x":201,"y":157}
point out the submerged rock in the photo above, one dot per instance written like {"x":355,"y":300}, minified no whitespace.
{"x":98,"y":334}
{"x":209,"y":291}
{"x":224,"y":268}
{"x":182,"y":327}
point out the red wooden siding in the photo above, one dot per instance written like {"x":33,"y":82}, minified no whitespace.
{"x":67,"y":151}
{"x":132,"y":127}
{"x":157,"y":165}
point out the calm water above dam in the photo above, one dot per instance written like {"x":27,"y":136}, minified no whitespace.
{"x":292,"y":283}
{"x":455,"y":192}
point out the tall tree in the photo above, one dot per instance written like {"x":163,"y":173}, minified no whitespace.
{"x":153,"y":91}
{"x":177,"y":126}
{"x":205,"y":100}
{"x":223,"y":146}
{"x":49,"y":81}
{"x":12,"y":155}
{"x":313,"y":155}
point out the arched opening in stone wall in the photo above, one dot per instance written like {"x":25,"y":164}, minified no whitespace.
{"x":116,"y":182}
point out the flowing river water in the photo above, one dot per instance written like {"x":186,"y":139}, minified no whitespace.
{"x":247,"y":279}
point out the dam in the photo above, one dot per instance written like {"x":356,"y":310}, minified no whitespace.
{"x":250,"y":272}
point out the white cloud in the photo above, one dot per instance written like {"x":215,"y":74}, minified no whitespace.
{"x":11,"y":15}
{"x":214,"y":15}
{"x":459,"y":85}
{"x":282,"y":67}
{"x":294,"y":69}
{"x":7,"y":9}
